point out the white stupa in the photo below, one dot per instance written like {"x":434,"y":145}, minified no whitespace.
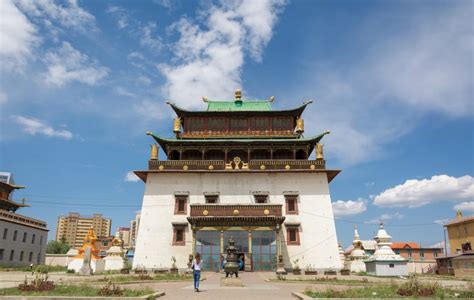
{"x":357,"y":256}
{"x":342,"y":257}
{"x":114,"y":258}
{"x":385,"y":262}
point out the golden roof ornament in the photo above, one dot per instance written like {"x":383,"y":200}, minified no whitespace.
{"x":299,"y":125}
{"x":154,"y":152}
{"x":238,"y":94}
{"x":177,"y":125}
{"x":319,"y":151}
{"x":459,"y":214}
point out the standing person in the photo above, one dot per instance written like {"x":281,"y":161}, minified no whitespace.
{"x":197,"y":264}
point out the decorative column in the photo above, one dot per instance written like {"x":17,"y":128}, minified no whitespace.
{"x":194,"y":239}
{"x":249,"y":258}
{"x":222,"y":241}
{"x":280,"y":263}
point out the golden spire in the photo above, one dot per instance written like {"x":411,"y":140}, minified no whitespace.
{"x":238,"y":94}
{"x":154,"y":152}
{"x":319,"y":151}
{"x":459,"y":214}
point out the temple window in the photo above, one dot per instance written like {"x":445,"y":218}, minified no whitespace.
{"x":261,"y":198}
{"x":179,"y":237}
{"x":259,"y":123}
{"x":194,"y":124}
{"x":180,"y":204}
{"x":33,"y":237}
{"x":5,"y":233}
{"x":282,"y":123}
{"x":216,"y":124}
{"x":291,"y":204}
{"x":238,"y":124}
{"x":301,"y":154}
{"x":283,"y":154}
{"x":15,"y":233}
{"x":211,"y":199}
{"x":214,"y":155}
{"x":260,"y":154}
{"x":24,"y":237}
{"x":192,"y":155}
{"x":292,"y":235}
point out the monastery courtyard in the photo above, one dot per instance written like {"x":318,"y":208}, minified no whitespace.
{"x":257,"y":285}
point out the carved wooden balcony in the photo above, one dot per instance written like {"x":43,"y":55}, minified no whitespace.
{"x":233,"y":210}
{"x":256,"y":164}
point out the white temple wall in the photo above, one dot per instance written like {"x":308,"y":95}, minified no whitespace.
{"x":317,"y":229}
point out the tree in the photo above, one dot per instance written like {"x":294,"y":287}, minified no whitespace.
{"x":57,"y":247}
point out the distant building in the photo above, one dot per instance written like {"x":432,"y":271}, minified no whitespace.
{"x":420,"y":259}
{"x":123,"y":233}
{"x":460,"y":262}
{"x":22,"y":239}
{"x":103,"y":244}
{"x":74,"y":228}
{"x":134,"y":225}
{"x":461,"y":233}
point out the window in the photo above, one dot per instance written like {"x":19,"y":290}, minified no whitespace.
{"x":1,"y":253}
{"x":179,"y":238}
{"x":180,"y":205}
{"x":409,"y":253}
{"x":24,"y":237}
{"x":195,"y":124}
{"x":216,"y":124}
{"x":261,"y":198}
{"x":33,"y":238}
{"x":422,"y":254}
{"x":5,"y":233}
{"x":282,"y":123}
{"x":38,"y":259}
{"x":238,"y":124}
{"x":397,"y":251}
{"x":21,"y":255}
{"x":259,"y":123}
{"x":435,"y":253}
{"x":391,"y":265}
{"x":12,"y":255}
{"x":15,"y":233}
{"x":41,"y":240}
{"x":291,"y":204}
{"x":293,"y":237}
{"x":30,"y":258}
{"x":211,"y":198}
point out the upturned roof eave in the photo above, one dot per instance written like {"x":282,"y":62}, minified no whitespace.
{"x":181,"y":112}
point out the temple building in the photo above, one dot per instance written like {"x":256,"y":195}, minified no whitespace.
{"x":243,"y":170}
{"x":23,"y":239}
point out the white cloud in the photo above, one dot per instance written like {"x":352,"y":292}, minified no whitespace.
{"x":34,"y":126}
{"x":120,"y":16}
{"x":147,"y":39}
{"x":386,"y":217}
{"x":17,"y":36}
{"x":131,"y":177}
{"x":121,"y":91}
{"x":67,"y":64}
{"x":441,"y":221}
{"x":415,"y":193}
{"x":384,"y":92}
{"x":349,"y":208}
{"x":465,"y":206}
{"x":210,"y":59}
{"x":66,"y":13}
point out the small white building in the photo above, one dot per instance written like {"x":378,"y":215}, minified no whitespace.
{"x":385,"y":262}
{"x":114,"y":258}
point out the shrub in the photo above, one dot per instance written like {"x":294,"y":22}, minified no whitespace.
{"x":414,"y":288}
{"x":110,"y":289}
{"x":40,"y":283}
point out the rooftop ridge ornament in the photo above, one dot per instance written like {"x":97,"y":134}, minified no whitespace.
{"x":309,"y":101}
{"x":238,"y":95}
{"x":271,"y":99}
{"x":204,"y":99}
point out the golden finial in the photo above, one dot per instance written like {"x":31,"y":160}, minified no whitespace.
{"x":204,"y":99}
{"x":177,"y":125}
{"x":459,"y":214}
{"x":271,"y":99}
{"x":299,"y":125}
{"x":154,"y":152}
{"x":319,"y":151}
{"x":238,"y":94}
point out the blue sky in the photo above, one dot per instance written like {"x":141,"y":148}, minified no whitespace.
{"x":81,"y":82}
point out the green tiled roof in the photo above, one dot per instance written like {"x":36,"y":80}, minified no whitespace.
{"x":239,"y":105}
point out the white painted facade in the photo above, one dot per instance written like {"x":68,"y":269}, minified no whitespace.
{"x":21,"y":245}
{"x":317,"y":232}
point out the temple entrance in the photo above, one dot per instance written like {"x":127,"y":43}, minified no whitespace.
{"x":260,"y":256}
{"x":208,"y":243}
{"x":264,"y":250}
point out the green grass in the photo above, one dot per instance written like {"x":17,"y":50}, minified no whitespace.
{"x":388,"y":291}
{"x":37,"y":268}
{"x":72,"y":290}
{"x":325,"y":280}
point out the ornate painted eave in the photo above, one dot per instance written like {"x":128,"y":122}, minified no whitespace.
{"x":165,"y":142}
{"x":236,"y":221}
{"x":258,"y":111}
